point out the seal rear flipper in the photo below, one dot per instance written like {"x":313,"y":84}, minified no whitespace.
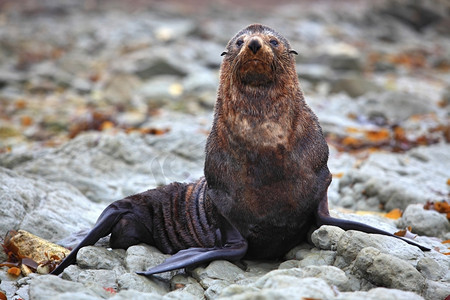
{"x":233,"y":247}
{"x":196,"y":256}
{"x":105,"y":223}
{"x":323,"y":218}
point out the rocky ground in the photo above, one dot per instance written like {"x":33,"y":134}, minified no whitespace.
{"x":103,"y":99}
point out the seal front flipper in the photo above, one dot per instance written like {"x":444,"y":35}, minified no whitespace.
{"x":105,"y":223}
{"x":323,"y":218}
{"x":233,"y":247}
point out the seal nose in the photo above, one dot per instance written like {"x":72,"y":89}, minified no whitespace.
{"x":254,"y":45}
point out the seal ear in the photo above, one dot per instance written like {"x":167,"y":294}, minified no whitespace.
{"x":224,"y":53}
{"x":293,"y":51}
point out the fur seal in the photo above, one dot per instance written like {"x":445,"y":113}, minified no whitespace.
{"x":266,"y":174}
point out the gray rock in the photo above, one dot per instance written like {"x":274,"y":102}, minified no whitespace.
{"x":354,"y":86}
{"x":91,"y":257}
{"x":352,"y":242}
{"x":299,"y":252}
{"x":432,"y":269}
{"x":332,"y":275}
{"x":318,"y":258}
{"x":389,"y":271}
{"x":290,"y":287}
{"x":215,"y":288}
{"x":120,"y":88}
{"x":132,"y":294}
{"x":436,"y":290}
{"x":397,"y":180}
{"x":380,"y":294}
{"x":160,"y":91}
{"x":181,"y":284}
{"x":103,"y":278}
{"x":24,"y":200}
{"x":71,"y":273}
{"x":395,"y":106}
{"x":425,"y":222}
{"x":148,"y":68}
{"x":52,"y":287}
{"x":142,"y":257}
{"x":326,"y":237}
{"x":132,"y":281}
{"x":221,"y":270}
{"x":9,"y":287}
{"x":121,"y":164}
{"x":295,"y":272}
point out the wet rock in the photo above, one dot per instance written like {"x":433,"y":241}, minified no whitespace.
{"x":326,"y":237}
{"x":389,"y":271}
{"x":425,"y":222}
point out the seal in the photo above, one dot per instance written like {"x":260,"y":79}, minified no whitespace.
{"x":266,"y":174}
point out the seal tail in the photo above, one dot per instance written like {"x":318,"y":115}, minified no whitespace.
{"x":105,"y":224}
{"x":323,"y":218}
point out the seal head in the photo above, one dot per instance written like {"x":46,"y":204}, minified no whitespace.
{"x":257,"y":56}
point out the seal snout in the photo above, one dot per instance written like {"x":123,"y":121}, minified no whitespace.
{"x":254,"y":45}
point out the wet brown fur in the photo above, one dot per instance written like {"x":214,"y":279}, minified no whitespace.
{"x":266,"y":157}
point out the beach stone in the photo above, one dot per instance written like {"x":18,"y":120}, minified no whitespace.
{"x":91,"y":257}
{"x":395,"y":106}
{"x":35,"y":205}
{"x":352,"y":242}
{"x":398,"y":180}
{"x":380,"y":293}
{"x":389,"y":271}
{"x":437,"y":290}
{"x":133,"y":281}
{"x":50,"y":286}
{"x":355,"y":86}
{"x":425,"y":222}
{"x":326,"y":237}
{"x":142,"y":257}
{"x":433,"y":270}
{"x":218,"y":270}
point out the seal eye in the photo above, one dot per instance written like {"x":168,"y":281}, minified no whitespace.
{"x":274,"y":43}
{"x":239,"y":42}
